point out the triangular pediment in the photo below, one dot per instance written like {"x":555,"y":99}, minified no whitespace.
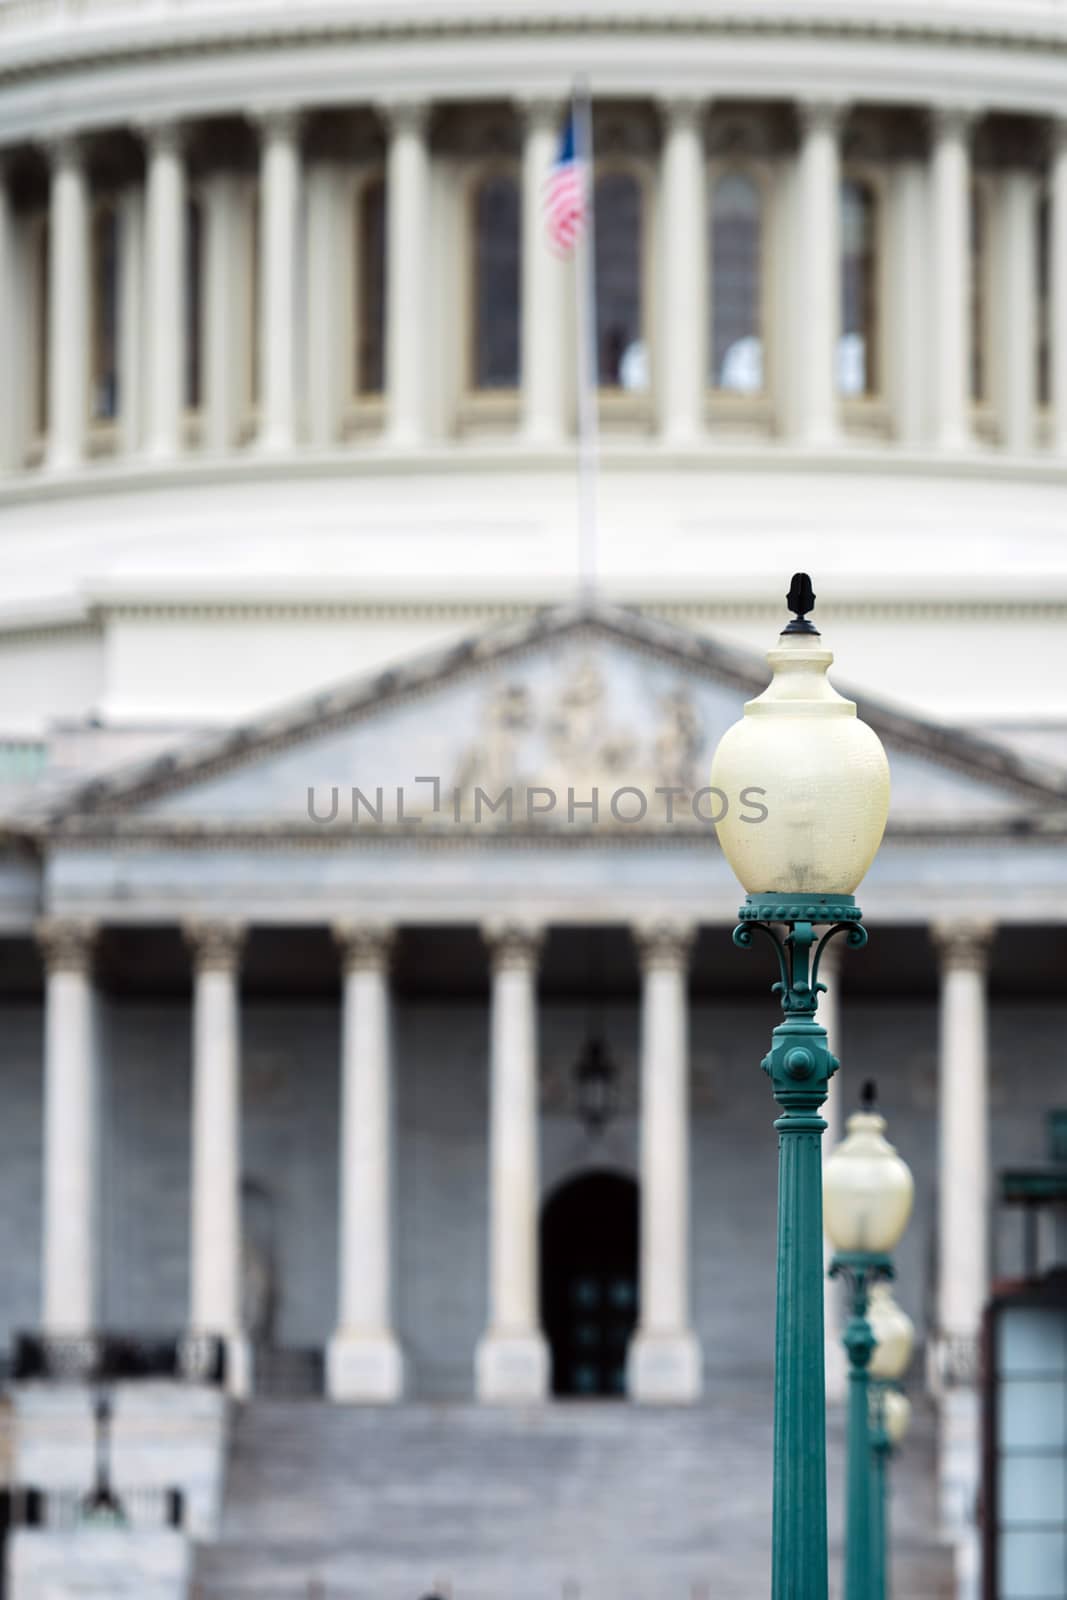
{"x":547,"y":712}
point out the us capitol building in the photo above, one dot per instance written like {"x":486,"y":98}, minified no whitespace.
{"x":397,"y":1156}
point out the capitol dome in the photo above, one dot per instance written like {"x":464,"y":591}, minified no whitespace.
{"x":292,"y":382}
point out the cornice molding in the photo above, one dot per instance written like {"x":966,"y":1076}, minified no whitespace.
{"x":155,"y":38}
{"x":1040,"y":789}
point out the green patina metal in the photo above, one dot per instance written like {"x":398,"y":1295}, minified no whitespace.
{"x":800,"y":1066}
{"x":860,"y":1269}
{"x":881,"y":1451}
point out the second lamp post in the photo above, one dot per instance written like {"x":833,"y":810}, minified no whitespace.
{"x":867,"y":1199}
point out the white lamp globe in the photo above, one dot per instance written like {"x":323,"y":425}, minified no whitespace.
{"x":894,"y":1334}
{"x":896,"y":1415}
{"x":867,"y":1189}
{"x":820,"y":772}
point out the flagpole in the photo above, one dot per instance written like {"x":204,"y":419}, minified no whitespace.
{"x":586,"y":353}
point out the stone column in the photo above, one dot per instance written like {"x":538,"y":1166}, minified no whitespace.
{"x":131,"y":320}
{"x":165,"y":290}
{"x":830,"y":1016}
{"x":364,"y":1361}
{"x":963,"y":1223}
{"x":9,"y":327}
{"x":818,"y":297}
{"x":407,"y":183}
{"x":328,"y":365}
{"x":684,"y":236}
{"x":224,"y":294}
{"x":542,"y":277}
{"x":1019,"y":292}
{"x":69,"y":1246}
{"x":279,"y":237}
{"x":950,"y":298}
{"x":68,"y":306}
{"x":215,"y":1265}
{"x":512,"y":1358}
{"x":1057,"y":279}
{"x":908,"y":301}
{"x":665,"y":1358}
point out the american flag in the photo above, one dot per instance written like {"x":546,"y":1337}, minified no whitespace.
{"x":565,"y":202}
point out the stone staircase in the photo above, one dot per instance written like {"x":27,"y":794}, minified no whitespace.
{"x":574,"y":1501}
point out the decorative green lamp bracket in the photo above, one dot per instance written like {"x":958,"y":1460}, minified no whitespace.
{"x":800,"y":1064}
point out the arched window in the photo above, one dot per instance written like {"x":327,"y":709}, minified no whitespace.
{"x":104,"y":389}
{"x":857,"y":359}
{"x":194,"y":303}
{"x":496,"y":283}
{"x":622,"y":354}
{"x":370,"y":288}
{"x":736,"y":285}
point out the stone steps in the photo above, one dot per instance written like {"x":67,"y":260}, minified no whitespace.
{"x":574,"y":1501}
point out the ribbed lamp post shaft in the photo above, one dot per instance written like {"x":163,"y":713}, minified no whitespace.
{"x":800,"y":1553}
{"x":800,"y":1067}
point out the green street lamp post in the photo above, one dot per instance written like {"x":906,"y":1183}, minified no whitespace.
{"x":890,"y":1415}
{"x":822,"y":779}
{"x":894,"y":1341}
{"x":867,"y":1197}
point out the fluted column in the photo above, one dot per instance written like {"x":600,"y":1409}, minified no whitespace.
{"x":512,"y":1358}
{"x":165,"y":289}
{"x":818,"y":296}
{"x":684,"y":237}
{"x":963,"y":1150}
{"x":665,"y":1358}
{"x":1058,"y":284}
{"x":950,"y":298}
{"x":131,"y":319}
{"x":1019,"y":295}
{"x":542,"y":283}
{"x":407,"y":276}
{"x":279,"y":235}
{"x":68,"y":306}
{"x":830,"y":1017}
{"x":215,"y":1266}
{"x":364,"y":1359}
{"x":328,"y":370}
{"x":963,"y":1223}
{"x":224,"y":294}
{"x":69,"y":1235}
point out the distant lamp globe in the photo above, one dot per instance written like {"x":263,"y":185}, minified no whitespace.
{"x":867,"y":1189}
{"x":820,"y":773}
{"x":897,"y":1415}
{"x":894,"y":1334}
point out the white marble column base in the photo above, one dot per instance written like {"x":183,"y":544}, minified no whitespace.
{"x":512,"y":1368}
{"x":665,"y":1369}
{"x":365,"y":1368}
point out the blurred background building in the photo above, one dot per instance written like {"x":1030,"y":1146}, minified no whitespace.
{"x":402,"y":1099}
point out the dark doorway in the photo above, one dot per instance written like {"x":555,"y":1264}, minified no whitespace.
{"x":589,"y":1282}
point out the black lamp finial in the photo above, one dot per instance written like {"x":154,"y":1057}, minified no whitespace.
{"x":800,"y":600}
{"x":869,"y":1096}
